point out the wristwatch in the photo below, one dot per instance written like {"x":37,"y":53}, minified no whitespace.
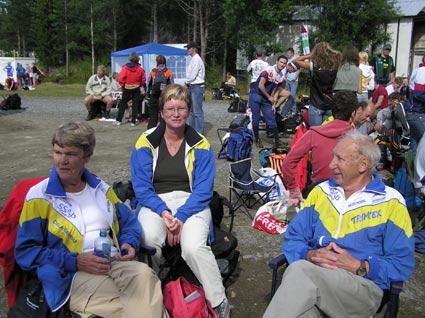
{"x":362,"y":270}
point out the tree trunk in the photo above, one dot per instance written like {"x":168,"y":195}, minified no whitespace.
{"x":203,"y":13}
{"x":224,"y":59}
{"x":66,"y":39}
{"x":114,"y":31}
{"x":155,"y":20}
{"x":24,"y":46}
{"x":18,"y":34}
{"x":196,"y":6}
{"x":92,"y":38}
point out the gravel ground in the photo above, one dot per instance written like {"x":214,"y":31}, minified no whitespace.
{"x":26,"y":150}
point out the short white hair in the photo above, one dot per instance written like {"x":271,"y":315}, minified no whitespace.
{"x":365,"y":146}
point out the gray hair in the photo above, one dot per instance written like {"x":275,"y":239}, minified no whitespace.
{"x":75,"y":134}
{"x":365,"y":147}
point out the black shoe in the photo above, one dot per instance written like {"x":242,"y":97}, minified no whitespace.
{"x":106,"y":115}
{"x":259,"y":143}
{"x":90,"y":116}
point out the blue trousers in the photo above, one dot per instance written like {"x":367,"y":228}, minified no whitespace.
{"x":293,"y":87}
{"x":316,"y":116}
{"x":196,"y":117}
{"x":260,"y":105}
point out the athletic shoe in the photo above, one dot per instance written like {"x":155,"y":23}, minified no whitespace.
{"x":223,"y":310}
{"x":116,"y":123}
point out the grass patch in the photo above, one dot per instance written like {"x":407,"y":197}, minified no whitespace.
{"x":52,"y":89}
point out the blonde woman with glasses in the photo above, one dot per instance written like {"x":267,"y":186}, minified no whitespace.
{"x":172,"y":170}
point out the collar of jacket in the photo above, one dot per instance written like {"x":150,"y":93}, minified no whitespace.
{"x":191,"y":136}
{"x":54,"y":186}
{"x":375,"y":185}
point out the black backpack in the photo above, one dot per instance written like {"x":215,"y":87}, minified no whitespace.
{"x":11,"y":102}
{"x":237,"y":105}
{"x":160,"y":81}
{"x":31,"y":302}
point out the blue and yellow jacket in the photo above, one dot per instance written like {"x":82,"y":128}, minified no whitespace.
{"x":51,"y":232}
{"x":372,"y":224}
{"x":200,"y":166}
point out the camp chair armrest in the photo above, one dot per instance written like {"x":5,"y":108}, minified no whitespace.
{"x":148,"y":250}
{"x":278,"y":261}
{"x":396,"y":288}
{"x":274,"y":265}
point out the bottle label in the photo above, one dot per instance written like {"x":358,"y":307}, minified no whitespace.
{"x":105,"y":252}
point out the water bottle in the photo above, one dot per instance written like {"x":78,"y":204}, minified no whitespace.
{"x":102,"y":245}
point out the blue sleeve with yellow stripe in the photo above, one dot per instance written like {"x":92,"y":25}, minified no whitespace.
{"x":202,"y":184}
{"x":31,"y":248}
{"x":397,"y":261}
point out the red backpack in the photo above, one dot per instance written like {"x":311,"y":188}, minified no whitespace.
{"x":185,"y":300}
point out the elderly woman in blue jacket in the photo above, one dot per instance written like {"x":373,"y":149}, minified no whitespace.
{"x":172,"y":170}
{"x":59,"y":223}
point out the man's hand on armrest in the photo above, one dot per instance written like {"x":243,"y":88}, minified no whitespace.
{"x":90,"y":263}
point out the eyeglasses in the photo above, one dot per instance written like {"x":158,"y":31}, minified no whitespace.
{"x":179,"y":110}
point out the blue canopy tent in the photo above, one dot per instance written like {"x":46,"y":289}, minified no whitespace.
{"x":177,"y":59}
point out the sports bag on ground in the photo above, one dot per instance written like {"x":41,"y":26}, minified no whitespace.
{"x":31,"y":303}
{"x":239,"y":144}
{"x":239,"y":121}
{"x":11,"y":102}
{"x":237,"y":105}
{"x":185,"y":300}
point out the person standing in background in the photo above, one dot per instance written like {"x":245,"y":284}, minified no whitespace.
{"x":257,"y":66}
{"x":292,"y":75}
{"x":132,"y":80}
{"x":159,"y":78}
{"x":196,"y":82}
{"x":384,"y":66}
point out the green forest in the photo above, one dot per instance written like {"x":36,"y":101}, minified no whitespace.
{"x":69,"y":37}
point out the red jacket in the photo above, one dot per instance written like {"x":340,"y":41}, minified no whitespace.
{"x":9,"y":220}
{"x":321,"y":140}
{"x":301,"y":175}
{"x":132,"y":74}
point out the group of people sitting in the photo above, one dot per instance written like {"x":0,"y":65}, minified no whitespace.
{"x":350,"y":240}
{"x":172,"y":170}
{"x":127,"y":88}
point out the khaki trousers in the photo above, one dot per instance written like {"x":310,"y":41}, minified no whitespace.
{"x":131,"y":289}
{"x":195,"y":251}
{"x":308,"y":290}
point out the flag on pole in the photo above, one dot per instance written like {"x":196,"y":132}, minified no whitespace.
{"x":304,"y":39}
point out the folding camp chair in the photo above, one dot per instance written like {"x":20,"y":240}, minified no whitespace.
{"x":390,"y":297}
{"x":246,"y":188}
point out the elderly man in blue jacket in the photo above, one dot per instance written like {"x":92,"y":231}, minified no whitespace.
{"x":59,"y":223}
{"x":352,"y":238}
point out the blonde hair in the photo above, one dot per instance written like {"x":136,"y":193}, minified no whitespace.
{"x":363,"y":58}
{"x":75,"y":134}
{"x":174,"y":91}
{"x":325,"y":57}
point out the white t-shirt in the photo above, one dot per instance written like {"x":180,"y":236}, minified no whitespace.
{"x":256,"y":67}
{"x":93,"y":218}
